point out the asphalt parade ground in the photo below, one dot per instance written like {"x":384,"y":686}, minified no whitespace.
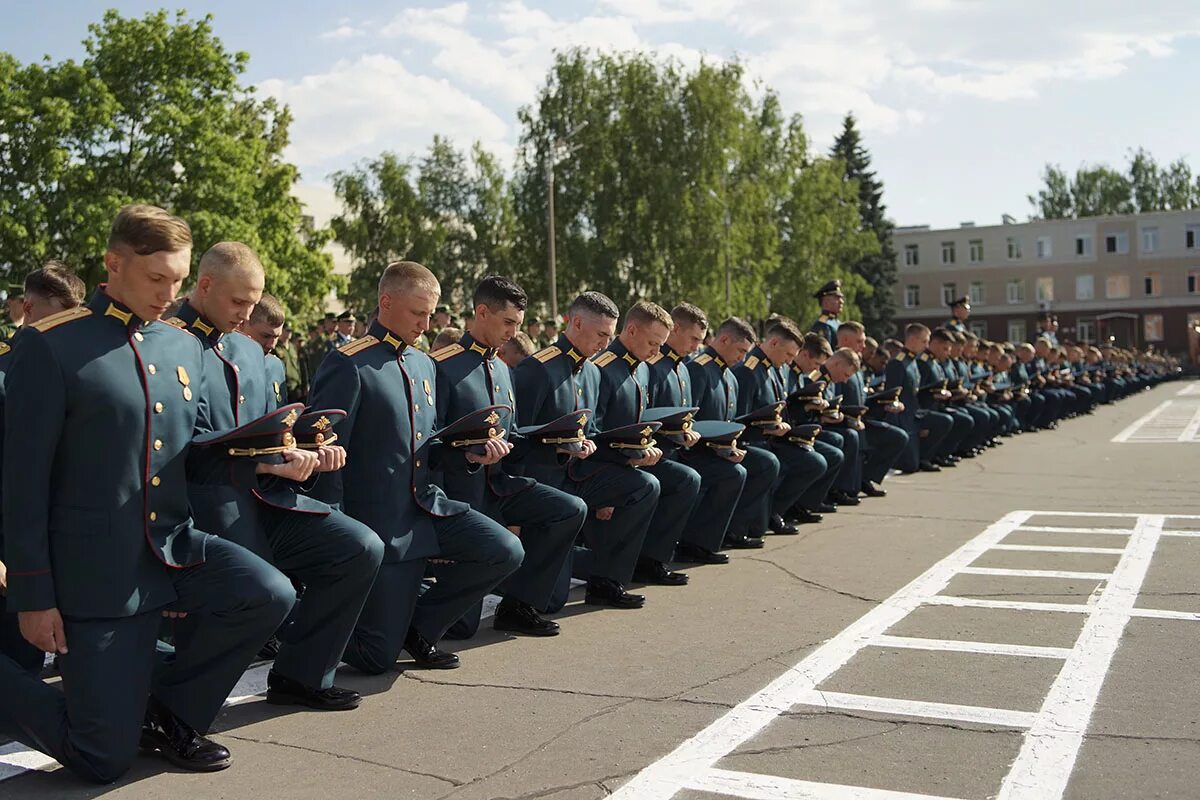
{"x":1026,"y":625}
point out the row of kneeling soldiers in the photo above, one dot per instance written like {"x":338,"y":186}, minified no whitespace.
{"x":166,"y":512}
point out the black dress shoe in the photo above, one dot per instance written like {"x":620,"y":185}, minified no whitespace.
{"x":693,"y":554}
{"x":426,"y":654}
{"x":740,"y":542}
{"x":655,"y":572}
{"x":871,"y":490}
{"x":827,"y":508}
{"x":929,"y":466}
{"x":844,"y":499}
{"x":807,"y":517}
{"x":177,"y":742}
{"x":607,"y":592}
{"x":283,"y":691}
{"x":270,"y":650}
{"x":781,"y":526}
{"x":514,"y":616}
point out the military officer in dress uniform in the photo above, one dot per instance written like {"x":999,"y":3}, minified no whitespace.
{"x":334,"y":557}
{"x":925,"y":428}
{"x":557,"y":381}
{"x":386,"y":386}
{"x":960,"y":309}
{"x":624,"y":396}
{"x":884,"y":441}
{"x":715,"y":391}
{"x":49,"y":290}
{"x":832,"y":302}
{"x":103,"y":402}
{"x":839,"y":447}
{"x":934,"y":395}
{"x":721,"y":477}
{"x":265,"y":326}
{"x":16,"y":311}
{"x":804,"y":475}
{"x":471,"y":376}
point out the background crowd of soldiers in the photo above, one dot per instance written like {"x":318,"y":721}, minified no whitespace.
{"x":185,"y":488}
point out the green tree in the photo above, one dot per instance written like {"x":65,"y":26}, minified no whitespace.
{"x":154,"y":113}
{"x":1143,"y":187}
{"x":1054,"y":200}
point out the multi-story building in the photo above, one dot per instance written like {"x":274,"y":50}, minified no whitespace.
{"x":1133,"y":280}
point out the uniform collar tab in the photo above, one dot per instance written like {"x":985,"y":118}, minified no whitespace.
{"x":469,"y":343}
{"x":387,"y":337}
{"x":104,"y":305}
{"x":577,"y":358}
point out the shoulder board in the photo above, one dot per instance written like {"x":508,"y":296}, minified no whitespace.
{"x":823,"y":318}
{"x":605,"y":358}
{"x":176,"y":322}
{"x":445,"y":352}
{"x":752,"y":362}
{"x":702,"y":359}
{"x":547,"y":353}
{"x":654,"y":359}
{"x":4,"y":348}
{"x":901,"y":356}
{"x":814,"y":375}
{"x":357,"y":346}
{"x":924,"y":356}
{"x":54,"y":320}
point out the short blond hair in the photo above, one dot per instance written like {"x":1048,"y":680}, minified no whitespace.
{"x":644,"y":312}
{"x":408,"y":276}
{"x":224,"y":258}
{"x":849,"y":356}
{"x":521,"y":343}
{"x":268,"y":310}
{"x":148,"y":229}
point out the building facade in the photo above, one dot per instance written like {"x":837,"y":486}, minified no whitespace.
{"x":1133,"y":280}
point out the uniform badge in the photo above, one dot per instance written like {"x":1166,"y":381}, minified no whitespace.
{"x":184,"y":381}
{"x":291,"y":418}
{"x":428,"y":391}
{"x":492,"y":418}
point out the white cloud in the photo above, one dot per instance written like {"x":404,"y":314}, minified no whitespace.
{"x":342,"y":32}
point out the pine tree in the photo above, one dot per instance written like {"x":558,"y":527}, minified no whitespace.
{"x":878,"y":269}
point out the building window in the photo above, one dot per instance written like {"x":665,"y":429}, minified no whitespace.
{"x":1116,"y":243}
{"x":977,"y":294}
{"x":949,"y":293}
{"x":1043,"y":247}
{"x":1116,"y":287}
{"x":912,"y":296}
{"x":912,"y":256}
{"x":1016,"y":291}
{"x":947,"y":252}
{"x":1193,"y":282}
{"x":1083,"y":245}
{"x":1016,"y":330}
{"x":1152,"y":284}
{"x":1191,"y":237}
{"x":1152,"y":327}
{"x":1085,"y":287}
{"x":1085,"y":330}
{"x":1014,"y":248}
{"x":978,"y":327}
{"x":976,"y":248}
{"x":1044,"y":290}
{"x":1149,"y":240}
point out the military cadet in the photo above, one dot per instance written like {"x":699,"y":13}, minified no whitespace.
{"x":925,"y":428}
{"x":960,"y":309}
{"x":103,"y":402}
{"x":343,"y":332}
{"x":559,"y":380}
{"x":549,"y":331}
{"x":16,"y":309}
{"x":387,"y":386}
{"x":50,"y":290}
{"x":624,"y":395}
{"x":471,"y":377}
{"x":983,"y":424}
{"x":721,"y":479}
{"x":884,"y":441}
{"x":265,"y":326}
{"x":334,"y":557}
{"x":1051,"y":401}
{"x":533,"y":332}
{"x":517,"y":349}
{"x":802,"y":482}
{"x":446,"y":337}
{"x":839,"y":447}
{"x":715,"y":392}
{"x":936,"y":396}
{"x":832,"y":302}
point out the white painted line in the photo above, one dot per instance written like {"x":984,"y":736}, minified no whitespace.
{"x":900,"y":707}
{"x":1057,"y":529}
{"x":1007,"y":605}
{"x":960,"y":646}
{"x":1035,"y":573}
{"x":1191,"y":389}
{"x":1125,"y":514}
{"x":1162,"y":613}
{"x":1186,"y":534}
{"x":772,"y":787}
{"x":1189,"y":431}
{"x":1047,"y":757}
{"x":16,"y":759}
{"x":664,"y":778}
{"x":1052,"y":548}
{"x":1133,"y":428}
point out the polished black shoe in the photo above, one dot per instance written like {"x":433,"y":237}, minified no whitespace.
{"x":606,"y":592}
{"x":871,"y":490}
{"x":692,"y":554}
{"x":514,"y":616}
{"x":740,"y":542}
{"x":844,"y":499}
{"x":655,"y":572}
{"x":177,"y":742}
{"x":283,"y":691}
{"x":806,"y":517}
{"x":827,"y":508}
{"x":426,"y":654}
{"x":929,"y":466}
{"x":270,"y":650}
{"x":781,"y":526}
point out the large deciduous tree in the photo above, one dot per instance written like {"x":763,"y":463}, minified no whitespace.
{"x":1144,"y":187}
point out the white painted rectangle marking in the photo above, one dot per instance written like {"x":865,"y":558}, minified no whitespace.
{"x":1137,"y":424}
{"x":1053,"y":548}
{"x":1185,"y":534}
{"x":1007,"y":605}
{"x":1162,"y":613}
{"x":1058,"y":529}
{"x":960,"y":646}
{"x":901,"y":707}
{"x":752,"y":786}
{"x":1035,"y":573}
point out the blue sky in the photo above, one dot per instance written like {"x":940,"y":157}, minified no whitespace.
{"x":961,"y":102}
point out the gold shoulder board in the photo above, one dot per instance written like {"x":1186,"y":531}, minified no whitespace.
{"x":358,"y":345}
{"x":54,"y":320}
{"x":654,"y":359}
{"x":814,"y":375}
{"x":752,"y":362}
{"x":702,"y":359}
{"x":446,"y":352}
{"x":548,"y":353}
{"x":4,"y":348}
{"x":605,"y":358}
{"x":902,"y":356}
{"x":176,"y":322}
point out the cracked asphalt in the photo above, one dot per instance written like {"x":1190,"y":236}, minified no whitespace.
{"x":573,"y":718}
